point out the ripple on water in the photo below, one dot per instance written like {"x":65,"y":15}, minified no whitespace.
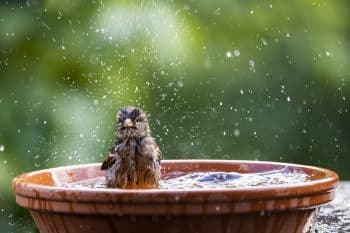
{"x":210,"y":180}
{"x":218,"y":180}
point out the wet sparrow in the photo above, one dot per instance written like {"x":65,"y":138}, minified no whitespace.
{"x":134,"y":160}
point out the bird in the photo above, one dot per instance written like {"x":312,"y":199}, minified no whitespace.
{"x":134,"y":159}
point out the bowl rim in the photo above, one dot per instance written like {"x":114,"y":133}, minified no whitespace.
{"x":23,"y":188}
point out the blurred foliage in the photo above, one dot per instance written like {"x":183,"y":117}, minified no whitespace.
{"x":261,"y":80}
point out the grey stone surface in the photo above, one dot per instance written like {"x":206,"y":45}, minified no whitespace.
{"x":335,"y":216}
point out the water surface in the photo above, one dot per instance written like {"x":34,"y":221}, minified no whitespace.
{"x":210,"y":180}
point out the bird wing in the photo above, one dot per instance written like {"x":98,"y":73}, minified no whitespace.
{"x":155,"y":152}
{"x":109,"y":160}
{"x":149,"y":148}
{"x":159,"y":154}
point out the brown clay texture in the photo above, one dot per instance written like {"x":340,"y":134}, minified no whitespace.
{"x":288,"y":208}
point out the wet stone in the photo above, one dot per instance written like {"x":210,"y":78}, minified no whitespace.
{"x":335,"y":216}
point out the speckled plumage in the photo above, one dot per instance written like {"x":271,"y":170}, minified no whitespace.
{"x":134,"y":160}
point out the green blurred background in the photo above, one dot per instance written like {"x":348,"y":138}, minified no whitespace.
{"x":259,"y":80}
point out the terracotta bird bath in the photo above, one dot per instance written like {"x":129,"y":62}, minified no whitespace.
{"x":285,"y":208}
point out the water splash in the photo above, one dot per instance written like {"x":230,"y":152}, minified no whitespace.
{"x":210,"y":180}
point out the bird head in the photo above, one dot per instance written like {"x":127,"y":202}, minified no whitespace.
{"x":131,"y":123}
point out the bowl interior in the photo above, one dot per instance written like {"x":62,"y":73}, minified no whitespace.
{"x":175,"y":168}
{"x":40,"y":189}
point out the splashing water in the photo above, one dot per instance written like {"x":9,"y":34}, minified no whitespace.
{"x":210,"y":180}
{"x":218,"y":180}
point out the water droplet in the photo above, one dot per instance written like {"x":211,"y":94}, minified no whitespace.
{"x":236,"y":132}
{"x":251,"y":12}
{"x":263,"y":40}
{"x":328,"y":53}
{"x":2,"y":148}
{"x":241,"y":91}
{"x":63,"y":47}
{"x":163,"y":96}
{"x":45,"y":122}
{"x":287,"y":34}
{"x":81,"y":135}
{"x":228,"y":54}
{"x":95,"y":102}
{"x":224,"y":133}
{"x":236,"y":52}
{"x":288,"y":98}
{"x":180,"y":83}
{"x":252,"y":65}
{"x":304,"y":131}
{"x":220,"y":103}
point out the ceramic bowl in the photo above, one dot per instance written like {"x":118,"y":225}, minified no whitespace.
{"x":287,"y":208}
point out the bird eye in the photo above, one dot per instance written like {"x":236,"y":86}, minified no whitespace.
{"x":135,"y":112}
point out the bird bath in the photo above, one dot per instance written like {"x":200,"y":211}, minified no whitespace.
{"x":62,"y":199}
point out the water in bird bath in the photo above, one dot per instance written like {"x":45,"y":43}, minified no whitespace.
{"x":215,"y":180}
{"x":210,"y":180}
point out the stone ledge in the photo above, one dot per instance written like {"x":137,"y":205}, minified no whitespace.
{"x":335,"y":216}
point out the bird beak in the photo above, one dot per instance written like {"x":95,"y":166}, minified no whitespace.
{"x":128,"y":123}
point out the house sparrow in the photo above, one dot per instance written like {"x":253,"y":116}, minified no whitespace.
{"x":134,"y":160}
